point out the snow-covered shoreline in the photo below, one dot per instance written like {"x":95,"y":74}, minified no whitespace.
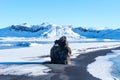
{"x":103,"y":66}
{"x":40,"y":53}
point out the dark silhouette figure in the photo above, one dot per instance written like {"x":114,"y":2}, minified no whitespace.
{"x":60,"y":52}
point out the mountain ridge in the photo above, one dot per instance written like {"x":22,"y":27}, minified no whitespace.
{"x":46,"y":30}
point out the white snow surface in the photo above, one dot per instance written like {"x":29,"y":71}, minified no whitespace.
{"x":47,"y":30}
{"x":58,"y":31}
{"x":40,"y":53}
{"x":102,"y":67}
{"x":44,"y":30}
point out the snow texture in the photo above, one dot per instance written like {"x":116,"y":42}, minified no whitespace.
{"x":46,"y":30}
{"x":39,"y":53}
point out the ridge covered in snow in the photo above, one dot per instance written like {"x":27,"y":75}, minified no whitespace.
{"x":46,"y":30}
{"x":101,"y":34}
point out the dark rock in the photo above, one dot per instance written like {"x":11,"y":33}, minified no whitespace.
{"x":60,"y":52}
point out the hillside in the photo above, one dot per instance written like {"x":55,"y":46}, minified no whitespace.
{"x":46,"y":30}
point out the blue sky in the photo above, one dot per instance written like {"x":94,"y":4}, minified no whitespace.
{"x":85,"y":13}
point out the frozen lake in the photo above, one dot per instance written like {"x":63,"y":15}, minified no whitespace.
{"x":37,"y":52}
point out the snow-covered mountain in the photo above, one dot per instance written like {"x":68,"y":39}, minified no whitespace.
{"x":23,"y":30}
{"x":58,"y":31}
{"x":103,"y":34}
{"x":46,"y":30}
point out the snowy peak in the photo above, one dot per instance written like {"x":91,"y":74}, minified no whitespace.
{"x":25,"y":25}
{"x":103,"y":34}
{"x":27,"y":28}
{"x":58,"y":31}
{"x":44,"y":30}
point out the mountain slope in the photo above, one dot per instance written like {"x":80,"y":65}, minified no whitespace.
{"x":44,"y":30}
{"x":58,"y":31}
{"x":22,"y":31}
{"x":103,"y":34}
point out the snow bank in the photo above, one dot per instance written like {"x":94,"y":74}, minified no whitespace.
{"x":30,"y":70}
{"x":34,"y":53}
{"x":102,"y":67}
{"x":82,"y":48}
{"x":40,"y":53}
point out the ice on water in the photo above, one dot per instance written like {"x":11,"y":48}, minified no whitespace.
{"x":39,"y":52}
{"x":116,"y":65}
{"x":106,"y":67}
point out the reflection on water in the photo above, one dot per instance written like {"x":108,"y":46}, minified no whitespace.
{"x":116,"y":66}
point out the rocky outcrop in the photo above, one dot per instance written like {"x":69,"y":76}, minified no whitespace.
{"x":60,"y":52}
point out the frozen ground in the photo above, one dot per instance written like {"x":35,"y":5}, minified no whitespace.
{"x":39,"y":53}
{"x":107,"y":66}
